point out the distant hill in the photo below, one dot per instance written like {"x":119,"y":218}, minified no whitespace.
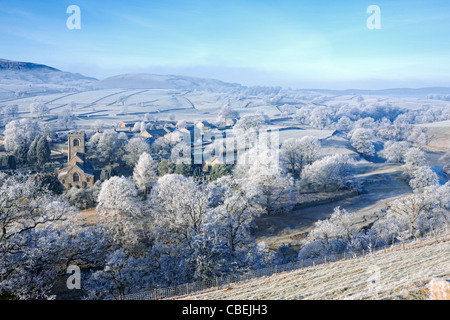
{"x":389,"y":92}
{"x":24,"y":66}
{"x":34,"y":77}
{"x":154,"y":81}
{"x":20,"y":73}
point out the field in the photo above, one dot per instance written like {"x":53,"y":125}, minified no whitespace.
{"x":393,"y":275}
{"x":439,"y":133}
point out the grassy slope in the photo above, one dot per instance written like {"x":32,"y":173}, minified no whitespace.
{"x":402,"y":275}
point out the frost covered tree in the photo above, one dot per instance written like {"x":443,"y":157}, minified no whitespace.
{"x":179,"y":206}
{"x":414,"y":158}
{"x":84,"y":198}
{"x":344,"y":124}
{"x":302,"y":115}
{"x":361,"y":141}
{"x":234,"y":211}
{"x":120,"y":213}
{"x":415,"y":214}
{"x":160,"y":147}
{"x":224,"y":242}
{"x":299,"y":152}
{"x":19,"y":134}
{"x":133,"y":150}
{"x":285,"y":254}
{"x":340,"y":225}
{"x":181,"y":124}
{"x":66,"y":119}
{"x":104,"y":145}
{"x":144,"y":173}
{"x":394,"y":151}
{"x":422,"y":177}
{"x":320,"y":117}
{"x":38,"y":110}
{"x":408,"y":209}
{"x":226,"y":113}
{"x":9,"y":113}
{"x":39,"y":237}
{"x":366,"y":123}
{"x":267,"y":178}
{"x":438,"y":204}
{"x":122,"y":100}
{"x":121,"y":275}
{"x":331,"y":171}
{"x":333,"y":235}
{"x":418,"y":135}
{"x":247,"y":128}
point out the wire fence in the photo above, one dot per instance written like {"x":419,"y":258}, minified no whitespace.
{"x":218,"y":283}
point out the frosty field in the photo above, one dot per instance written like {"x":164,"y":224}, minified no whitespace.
{"x":396,"y":275}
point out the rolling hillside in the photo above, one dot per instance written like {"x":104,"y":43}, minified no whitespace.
{"x":392,"y":275}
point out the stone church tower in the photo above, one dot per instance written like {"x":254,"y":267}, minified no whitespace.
{"x":77,"y":172}
{"x":76,"y":144}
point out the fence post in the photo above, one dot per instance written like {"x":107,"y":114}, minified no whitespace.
{"x":325,"y":259}
{"x":363,"y":253}
{"x":155,"y":295}
{"x":244,"y":277}
{"x":187,"y":288}
{"x":344,"y":255}
{"x":217,"y":282}
{"x":302,"y":265}
{"x":384,"y":249}
{"x":314,"y":264}
{"x":403,"y":245}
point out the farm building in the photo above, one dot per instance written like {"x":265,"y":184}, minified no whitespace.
{"x":204,"y":126}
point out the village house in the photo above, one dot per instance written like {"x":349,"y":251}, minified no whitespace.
{"x":153,"y":133}
{"x":204,"y":126}
{"x":126,"y":124}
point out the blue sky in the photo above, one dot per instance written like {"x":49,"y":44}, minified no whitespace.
{"x":302,"y":44}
